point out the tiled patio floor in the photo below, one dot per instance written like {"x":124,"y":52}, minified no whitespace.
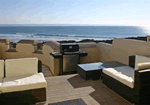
{"x":93,"y":92}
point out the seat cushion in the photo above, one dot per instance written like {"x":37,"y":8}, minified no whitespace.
{"x":124,"y":74}
{"x":21,"y":67}
{"x":12,"y":84}
{"x":1,"y":68}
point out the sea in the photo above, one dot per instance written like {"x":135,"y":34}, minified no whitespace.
{"x":60,"y":33}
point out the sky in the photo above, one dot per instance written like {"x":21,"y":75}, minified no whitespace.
{"x":81,"y":12}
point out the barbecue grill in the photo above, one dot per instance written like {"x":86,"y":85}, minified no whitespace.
{"x":69,"y":57}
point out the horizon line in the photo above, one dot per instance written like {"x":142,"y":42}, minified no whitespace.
{"x":63,"y":25}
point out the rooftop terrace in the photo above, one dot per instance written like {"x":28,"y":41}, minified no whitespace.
{"x":68,"y":87}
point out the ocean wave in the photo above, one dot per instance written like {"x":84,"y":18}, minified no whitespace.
{"x":58,"y":37}
{"x":80,"y":36}
{"x":52,"y":35}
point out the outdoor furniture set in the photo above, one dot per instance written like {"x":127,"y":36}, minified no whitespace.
{"x":132,"y":83}
{"x":21,"y":81}
{"x":130,"y":76}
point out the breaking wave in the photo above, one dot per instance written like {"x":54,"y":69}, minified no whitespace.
{"x":18,"y":36}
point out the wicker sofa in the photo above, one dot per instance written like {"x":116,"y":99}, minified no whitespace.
{"x":22,"y":81}
{"x":131,"y":82}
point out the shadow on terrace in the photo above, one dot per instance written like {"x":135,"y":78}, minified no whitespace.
{"x":102,"y":94}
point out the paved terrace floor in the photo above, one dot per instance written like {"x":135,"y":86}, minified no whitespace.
{"x":68,"y":87}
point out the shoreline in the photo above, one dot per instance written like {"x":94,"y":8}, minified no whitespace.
{"x":97,"y":41}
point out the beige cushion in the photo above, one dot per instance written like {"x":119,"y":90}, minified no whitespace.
{"x":123,"y":74}
{"x":141,"y":66}
{"x":141,"y":59}
{"x":1,"y":68}
{"x":23,"y":83}
{"x":21,"y":67}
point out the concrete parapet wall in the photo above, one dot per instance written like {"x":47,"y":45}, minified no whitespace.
{"x":24,"y":50}
{"x":120,"y":51}
{"x":123,"y":48}
{"x":91,"y":49}
{"x":104,"y":52}
{"x":51,"y":62}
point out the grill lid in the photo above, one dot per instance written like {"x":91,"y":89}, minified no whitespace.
{"x":69,"y":47}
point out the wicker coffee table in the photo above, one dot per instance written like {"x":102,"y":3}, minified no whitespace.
{"x":94,"y":70}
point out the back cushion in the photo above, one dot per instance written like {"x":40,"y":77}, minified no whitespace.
{"x":141,"y":59}
{"x":141,"y":66}
{"x":1,"y":68}
{"x":21,"y":67}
